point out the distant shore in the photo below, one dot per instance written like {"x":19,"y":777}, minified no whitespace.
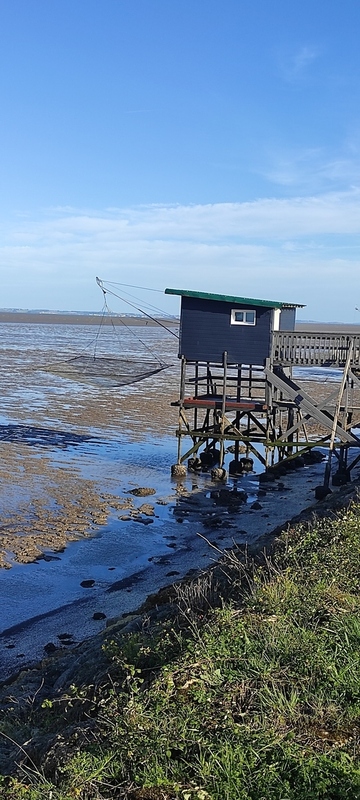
{"x":54,"y":318}
{"x":74,"y":318}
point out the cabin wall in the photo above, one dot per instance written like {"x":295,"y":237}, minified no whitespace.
{"x":206,"y":332}
{"x":287,"y":319}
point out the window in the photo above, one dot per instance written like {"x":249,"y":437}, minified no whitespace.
{"x":242,"y":317}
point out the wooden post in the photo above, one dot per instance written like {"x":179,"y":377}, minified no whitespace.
{"x":196,"y":393}
{"x":237,"y":417}
{"x":223,"y":409}
{"x":182,"y":395}
{"x":336,"y":414}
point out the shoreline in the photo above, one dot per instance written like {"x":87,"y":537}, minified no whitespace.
{"x":92,"y":318}
{"x":208,"y":530}
{"x":74,"y":318}
{"x":85,"y":659}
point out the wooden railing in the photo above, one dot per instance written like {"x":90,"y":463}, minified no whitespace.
{"x":314,"y":349}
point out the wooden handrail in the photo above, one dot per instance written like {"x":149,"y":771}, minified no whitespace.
{"x":291,"y":348}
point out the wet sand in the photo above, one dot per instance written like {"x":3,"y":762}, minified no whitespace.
{"x":88,"y":584}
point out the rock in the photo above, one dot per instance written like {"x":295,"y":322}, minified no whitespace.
{"x":218,"y":474}
{"x":313,"y":457}
{"x":142,"y":491}
{"x":194,"y":465}
{"x":266,"y":477}
{"x":279,"y":470}
{"x":228,"y":497}
{"x":247,"y":464}
{"x":341,"y":477}
{"x":147,"y":509}
{"x":178,"y":471}
{"x":50,"y":647}
{"x":235,"y":468}
{"x":295,"y":463}
{"x":209,"y":458}
{"x":99,"y":615}
{"x":87,"y":584}
{"x":321,"y":492}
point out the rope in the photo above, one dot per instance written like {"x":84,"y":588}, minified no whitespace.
{"x":106,"y":310}
{"x":131,"y":286}
{"x":157,"y":322}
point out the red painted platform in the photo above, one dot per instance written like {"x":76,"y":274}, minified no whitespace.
{"x":216,"y":401}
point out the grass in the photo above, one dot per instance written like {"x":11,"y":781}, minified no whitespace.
{"x":257,"y":698}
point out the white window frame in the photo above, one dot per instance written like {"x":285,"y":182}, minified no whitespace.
{"x":244,"y":311}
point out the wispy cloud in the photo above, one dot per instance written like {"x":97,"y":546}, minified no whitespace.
{"x":314,"y":169}
{"x":303,"y":58}
{"x":295,"y":66}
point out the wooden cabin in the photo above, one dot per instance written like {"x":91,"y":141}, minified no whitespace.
{"x":212,"y":324}
{"x":237,"y":384}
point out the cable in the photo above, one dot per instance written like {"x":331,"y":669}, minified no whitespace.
{"x":157,"y":322}
{"x":131,"y":286}
{"x":108,"y":310}
{"x":147,"y":305}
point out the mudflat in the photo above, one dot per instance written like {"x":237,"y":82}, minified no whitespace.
{"x":73,"y":318}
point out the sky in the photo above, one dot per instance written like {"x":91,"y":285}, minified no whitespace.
{"x":211,"y":145}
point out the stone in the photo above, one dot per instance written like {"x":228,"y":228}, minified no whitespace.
{"x":194,"y":465}
{"x":50,"y":647}
{"x":178,"y":471}
{"x":219,"y":474}
{"x":142,"y":491}
{"x":321,"y":492}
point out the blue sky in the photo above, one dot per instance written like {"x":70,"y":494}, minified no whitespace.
{"x":200,"y":144}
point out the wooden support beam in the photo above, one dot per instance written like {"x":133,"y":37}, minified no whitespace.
{"x":223,"y":406}
{"x":302,"y":419}
{"x":336,"y":414}
{"x":306,"y":403}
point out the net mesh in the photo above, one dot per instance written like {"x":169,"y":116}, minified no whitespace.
{"x":106,"y":371}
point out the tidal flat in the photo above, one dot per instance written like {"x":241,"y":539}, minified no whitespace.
{"x":78,"y":546}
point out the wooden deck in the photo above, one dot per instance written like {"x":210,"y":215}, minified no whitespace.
{"x":210,"y":402}
{"x":314,"y":349}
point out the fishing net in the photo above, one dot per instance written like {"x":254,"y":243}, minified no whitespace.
{"x":106,"y":371}
{"x":111,"y":370}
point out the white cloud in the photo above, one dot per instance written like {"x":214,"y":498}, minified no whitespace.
{"x":301,"y":249}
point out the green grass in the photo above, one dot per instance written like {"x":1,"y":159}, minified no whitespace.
{"x":257,"y":698}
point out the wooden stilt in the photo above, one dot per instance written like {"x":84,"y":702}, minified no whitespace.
{"x":336,"y":416}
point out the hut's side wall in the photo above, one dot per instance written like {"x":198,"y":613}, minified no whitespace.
{"x":287,"y":319}
{"x":206,"y":332}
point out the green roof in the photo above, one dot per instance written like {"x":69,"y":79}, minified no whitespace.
{"x":230,"y":298}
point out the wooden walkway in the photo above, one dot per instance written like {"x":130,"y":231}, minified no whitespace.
{"x":314,"y":349}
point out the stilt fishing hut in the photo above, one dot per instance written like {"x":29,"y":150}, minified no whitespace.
{"x":237,"y":385}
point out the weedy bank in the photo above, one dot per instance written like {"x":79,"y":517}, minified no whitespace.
{"x":250,"y":691}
